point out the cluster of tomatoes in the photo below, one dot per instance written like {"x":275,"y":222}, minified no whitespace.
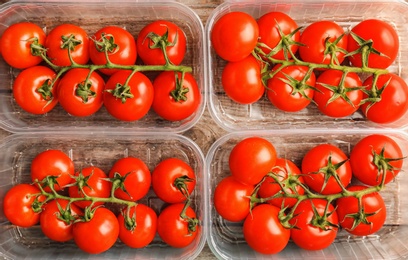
{"x":83,"y":72}
{"x":95,"y":209}
{"x":321,"y":63}
{"x":277,"y":200}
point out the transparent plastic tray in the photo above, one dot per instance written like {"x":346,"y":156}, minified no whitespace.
{"x":18,"y":150}
{"x":263,"y":115}
{"x":93,"y":15}
{"x":227,"y":242}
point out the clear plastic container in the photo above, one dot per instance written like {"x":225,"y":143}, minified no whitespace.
{"x":93,"y":15}
{"x":263,"y":115}
{"x":102,"y":150}
{"x":226,"y":240}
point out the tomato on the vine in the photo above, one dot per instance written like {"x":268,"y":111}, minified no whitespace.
{"x":16,"y":41}
{"x":251,"y":159}
{"x":322,"y":165}
{"x":175,"y":97}
{"x":35,"y":91}
{"x":79,"y":97}
{"x":128,"y":101}
{"x":173,"y":180}
{"x":67,"y":38}
{"x":52,"y":163}
{"x":22,"y":205}
{"x":234,"y":36}
{"x":363,"y":218}
{"x":375,"y":39}
{"x":132,"y":177}
{"x":263,"y":230}
{"x":376,"y":155}
{"x":158,"y":36}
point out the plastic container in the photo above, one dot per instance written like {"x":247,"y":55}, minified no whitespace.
{"x":263,"y":115}
{"x":101,"y":150}
{"x":93,"y":15}
{"x":225,"y":238}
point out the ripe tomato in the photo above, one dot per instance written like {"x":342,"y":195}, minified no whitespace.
{"x":292,"y":88}
{"x":159,"y":35}
{"x":132,"y":177}
{"x":98,"y":234}
{"x":338,"y":95}
{"x":231,"y":199}
{"x":93,"y":182}
{"x":22,"y":205}
{"x":273,"y":27}
{"x":290,"y":176}
{"x":378,"y":39}
{"x":138,"y":226}
{"x":67,"y":38}
{"x":56,"y":220}
{"x":376,"y":155}
{"x":323,"y":43}
{"x":172,"y":100}
{"x":263,"y":231}
{"x":316,"y":224}
{"x":175,"y":230}
{"x":53,"y":163}
{"x":322,"y":164}
{"x":234,"y":36}
{"x":365,"y":220}
{"x":173,"y":180}
{"x":35,"y":91}
{"x":79,"y":98}
{"x":128,"y":102}
{"x":242,"y":81}
{"x":251,"y":159}
{"x":387,"y":101}
{"x":16,"y":43}
{"x":118,"y":43}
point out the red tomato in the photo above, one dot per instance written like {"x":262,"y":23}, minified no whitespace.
{"x":119,"y":45}
{"x":263,"y":231}
{"x":251,"y":159}
{"x":57,"y":219}
{"x":35,"y":91}
{"x":323,"y":43}
{"x":387,"y":101}
{"x":175,"y":230}
{"x":242,"y":81}
{"x":291,"y":89}
{"x":98,"y":234}
{"x":132,"y":177}
{"x":138,"y":228}
{"x":22,"y":205}
{"x":53,"y":163}
{"x":314,"y":231}
{"x":234,"y":36}
{"x":128,"y":102}
{"x":373,"y":156}
{"x":290,"y":176}
{"x":172,"y":100}
{"x":16,"y":43}
{"x":273,"y":28}
{"x":338,"y":96}
{"x":63,"y":37}
{"x":378,"y":39}
{"x":158,"y":35}
{"x":93,"y":182}
{"x":173,"y":180}
{"x":231,"y":199}
{"x":321,"y":164}
{"x":79,"y":98}
{"x":365,"y":220}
